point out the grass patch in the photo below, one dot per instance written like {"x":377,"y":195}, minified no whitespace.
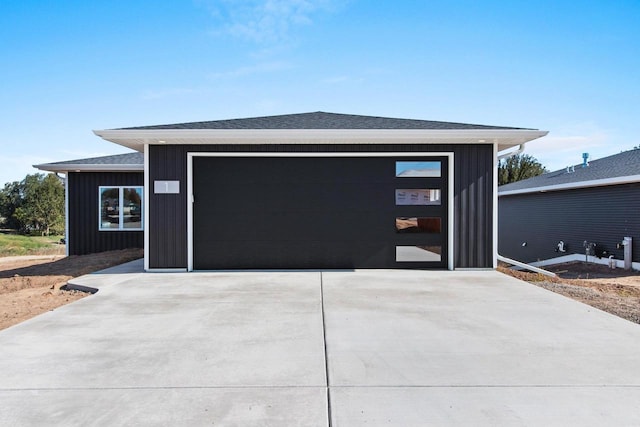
{"x":16,"y":244}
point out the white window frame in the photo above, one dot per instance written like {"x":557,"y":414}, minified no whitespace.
{"x":121,"y":188}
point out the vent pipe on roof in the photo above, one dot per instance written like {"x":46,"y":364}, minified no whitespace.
{"x":585,"y":157}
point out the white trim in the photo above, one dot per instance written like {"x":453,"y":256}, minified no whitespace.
{"x":146,"y":206}
{"x":66,"y":214}
{"x":190,"y":201}
{"x":573,"y":185}
{"x":136,"y":138}
{"x":451,"y":184}
{"x":166,"y":270}
{"x":494,"y":221}
{"x":451,"y":221}
{"x":581,"y":257}
{"x":68,"y":167}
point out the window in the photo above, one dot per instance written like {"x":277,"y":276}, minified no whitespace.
{"x":418,"y":225}
{"x":418,"y":169}
{"x":424,"y":197}
{"x":418,"y":253}
{"x":120,"y":208}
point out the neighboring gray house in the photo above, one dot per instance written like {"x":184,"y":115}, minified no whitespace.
{"x":311,"y":190}
{"x":598,"y":203}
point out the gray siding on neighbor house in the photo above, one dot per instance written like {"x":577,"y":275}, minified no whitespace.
{"x":84,"y":236}
{"x":473,"y":195}
{"x":603,"y":215}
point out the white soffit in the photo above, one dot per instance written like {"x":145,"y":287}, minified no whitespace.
{"x":137,"y":138}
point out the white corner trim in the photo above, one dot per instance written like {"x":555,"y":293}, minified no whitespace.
{"x":451,"y":220}
{"x":494,"y":223}
{"x":451,"y":184}
{"x":574,"y":185}
{"x":66,"y":214}
{"x":146,"y":198}
{"x":190,"y":211}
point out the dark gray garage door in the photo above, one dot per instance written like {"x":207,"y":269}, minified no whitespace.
{"x":318,"y":212}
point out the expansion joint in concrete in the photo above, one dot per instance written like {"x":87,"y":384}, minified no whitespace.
{"x":326,"y":355}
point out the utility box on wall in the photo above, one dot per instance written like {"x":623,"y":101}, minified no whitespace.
{"x":166,"y":187}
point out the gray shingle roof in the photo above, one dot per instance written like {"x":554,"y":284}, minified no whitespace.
{"x":117,"y":159}
{"x":623,"y":164}
{"x":118,"y":162}
{"x":321,"y":120}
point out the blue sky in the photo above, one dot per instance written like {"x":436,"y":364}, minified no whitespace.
{"x":68,"y":67}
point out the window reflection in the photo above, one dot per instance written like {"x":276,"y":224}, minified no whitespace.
{"x":418,"y":253}
{"x":418,"y":169}
{"x":411,"y":196}
{"x":418,"y":225}
{"x":132,"y":208}
{"x":120,"y":208}
{"x":110,"y":208}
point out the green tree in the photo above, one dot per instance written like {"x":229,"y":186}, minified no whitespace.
{"x":10,"y":200}
{"x":519,"y":167}
{"x":34,"y":204}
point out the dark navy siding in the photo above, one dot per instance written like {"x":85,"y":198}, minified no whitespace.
{"x":603,"y":215}
{"x":473,"y":195}
{"x":84,"y":236}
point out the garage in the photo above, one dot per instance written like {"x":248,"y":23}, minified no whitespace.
{"x":316,"y":190}
{"x":331,"y":211}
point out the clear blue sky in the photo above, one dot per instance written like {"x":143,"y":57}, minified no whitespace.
{"x":572,"y":68}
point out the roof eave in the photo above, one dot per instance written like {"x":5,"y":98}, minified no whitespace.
{"x":136,"y":139}
{"x":629,"y":179}
{"x":79,"y":167}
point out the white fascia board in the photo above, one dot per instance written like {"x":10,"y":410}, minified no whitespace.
{"x":89,"y":168}
{"x":574,"y":185}
{"x":136,"y":138}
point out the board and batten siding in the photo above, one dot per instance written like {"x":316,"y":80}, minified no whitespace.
{"x":84,"y":235}
{"x":602,"y":215}
{"x":473,"y":195}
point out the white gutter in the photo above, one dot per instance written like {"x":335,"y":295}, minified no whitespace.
{"x":526,"y":266}
{"x":520,"y":149}
{"x":68,"y":167}
{"x":629,"y":179}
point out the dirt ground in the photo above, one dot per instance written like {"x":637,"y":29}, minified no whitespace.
{"x":615,"y":291}
{"x":30,"y":286}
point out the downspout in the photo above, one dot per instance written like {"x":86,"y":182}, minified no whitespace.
{"x":503,"y":258}
{"x":520,"y":149}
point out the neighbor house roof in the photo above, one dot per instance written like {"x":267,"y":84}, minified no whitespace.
{"x":619,"y":168}
{"x":129,"y":162}
{"x":319,"y":128}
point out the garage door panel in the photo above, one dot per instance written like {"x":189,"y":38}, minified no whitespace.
{"x":297,"y":196}
{"x":294,"y":226}
{"x":281,"y":170}
{"x":266,"y":254}
{"x":314,"y":213}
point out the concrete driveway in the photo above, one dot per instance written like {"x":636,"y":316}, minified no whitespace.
{"x":352,"y":348}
